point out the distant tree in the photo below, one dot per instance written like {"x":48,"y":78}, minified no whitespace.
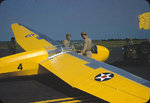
{"x":1,"y":1}
{"x":148,"y":1}
{"x":135,"y":39}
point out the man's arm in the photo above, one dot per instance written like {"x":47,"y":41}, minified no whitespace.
{"x":84,"y":47}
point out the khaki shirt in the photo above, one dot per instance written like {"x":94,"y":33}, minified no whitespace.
{"x":87,"y":45}
{"x":67,"y":43}
{"x":129,"y":43}
{"x":12,"y":45}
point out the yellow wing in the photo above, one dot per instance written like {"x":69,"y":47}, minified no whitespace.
{"x":144,"y":21}
{"x":26,"y":63}
{"x":99,"y":79}
{"x":30,"y":40}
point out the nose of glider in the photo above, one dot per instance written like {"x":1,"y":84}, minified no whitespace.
{"x":102,"y":53}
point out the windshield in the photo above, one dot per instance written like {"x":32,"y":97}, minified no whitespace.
{"x":56,"y":50}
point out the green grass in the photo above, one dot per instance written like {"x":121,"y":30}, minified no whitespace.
{"x":115,"y":43}
{"x":4,"y":45}
{"x":106,"y":43}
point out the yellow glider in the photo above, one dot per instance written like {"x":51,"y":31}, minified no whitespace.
{"x":94,"y":77}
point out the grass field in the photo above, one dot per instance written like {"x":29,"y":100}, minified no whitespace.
{"x":106,"y":43}
{"x":115,"y":43}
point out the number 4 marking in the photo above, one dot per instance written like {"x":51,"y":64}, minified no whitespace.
{"x":20,"y":66}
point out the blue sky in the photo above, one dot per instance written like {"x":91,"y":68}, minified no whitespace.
{"x":101,"y":19}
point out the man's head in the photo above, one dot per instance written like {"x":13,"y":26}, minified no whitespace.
{"x":12,"y":39}
{"x":83,"y":35}
{"x":68,"y":36}
{"x":127,"y":39}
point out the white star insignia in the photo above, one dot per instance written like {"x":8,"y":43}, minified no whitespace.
{"x":103,"y":76}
